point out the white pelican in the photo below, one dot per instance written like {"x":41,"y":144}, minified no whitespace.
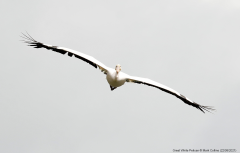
{"x":115,"y":77}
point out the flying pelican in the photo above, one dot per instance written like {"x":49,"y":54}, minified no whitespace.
{"x":115,"y":77}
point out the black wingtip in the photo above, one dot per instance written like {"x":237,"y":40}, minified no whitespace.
{"x":30,"y":36}
{"x":28,"y":39}
{"x":204,"y":109}
{"x":209,"y":109}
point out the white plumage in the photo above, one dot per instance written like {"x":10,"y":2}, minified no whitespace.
{"x":115,"y":77}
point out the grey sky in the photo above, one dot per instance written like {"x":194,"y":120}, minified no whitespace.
{"x":54,"y":103}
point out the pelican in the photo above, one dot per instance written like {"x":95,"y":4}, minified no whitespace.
{"x":115,"y":77}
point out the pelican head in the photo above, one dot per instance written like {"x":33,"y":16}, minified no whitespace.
{"x":118,"y":68}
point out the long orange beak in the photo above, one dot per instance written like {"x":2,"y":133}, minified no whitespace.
{"x":118,"y":69}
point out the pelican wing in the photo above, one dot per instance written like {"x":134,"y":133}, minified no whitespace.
{"x":168,"y":90}
{"x":89,"y":59}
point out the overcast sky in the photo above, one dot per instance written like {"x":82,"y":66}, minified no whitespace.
{"x":52,"y":103}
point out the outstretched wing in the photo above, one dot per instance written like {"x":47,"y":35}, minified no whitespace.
{"x":168,"y":90}
{"x":89,"y":59}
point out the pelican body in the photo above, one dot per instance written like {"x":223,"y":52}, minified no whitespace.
{"x":114,"y":77}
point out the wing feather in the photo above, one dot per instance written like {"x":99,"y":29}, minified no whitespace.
{"x":86,"y":58}
{"x":170,"y":91}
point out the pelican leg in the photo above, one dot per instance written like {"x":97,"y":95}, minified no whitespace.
{"x":112,"y":88}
